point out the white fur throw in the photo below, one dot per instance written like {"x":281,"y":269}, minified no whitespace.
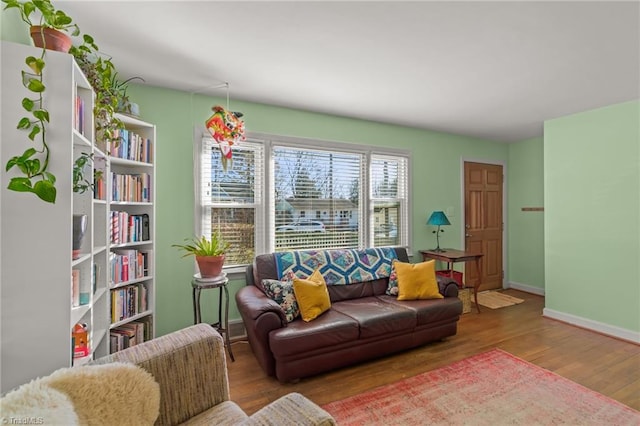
{"x":108,"y":394}
{"x":39,"y":403}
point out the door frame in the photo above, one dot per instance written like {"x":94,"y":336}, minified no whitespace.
{"x":504,"y":209}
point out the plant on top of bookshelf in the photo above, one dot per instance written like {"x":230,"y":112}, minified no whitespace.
{"x":125,"y":105}
{"x":33,"y":163}
{"x":101,"y":73}
{"x":50,"y":31}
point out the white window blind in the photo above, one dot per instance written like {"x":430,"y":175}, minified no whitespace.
{"x":317,"y":198}
{"x":231,"y":201}
{"x":389,"y":190}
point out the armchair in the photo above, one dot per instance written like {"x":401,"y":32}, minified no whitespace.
{"x":191,"y":369}
{"x":177,"y":379}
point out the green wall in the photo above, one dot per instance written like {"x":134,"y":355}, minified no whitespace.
{"x":592,"y":217}
{"x":12,"y":28}
{"x":436,"y":161}
{"x":525,"y":232}
{"x":436,"y":178}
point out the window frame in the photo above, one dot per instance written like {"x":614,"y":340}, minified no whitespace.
{"x":265,"y":210}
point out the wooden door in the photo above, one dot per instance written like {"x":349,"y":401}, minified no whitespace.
{"x":483,"y":222}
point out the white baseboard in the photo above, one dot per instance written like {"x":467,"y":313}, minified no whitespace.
{"x":609,"y":330}
{"x":525,"y":287}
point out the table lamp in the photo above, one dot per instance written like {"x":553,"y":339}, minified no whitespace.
{"x":438,"y":219}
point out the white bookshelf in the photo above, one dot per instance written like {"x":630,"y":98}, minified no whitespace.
{"x":135,"y":165}
{"x":38,"y":312}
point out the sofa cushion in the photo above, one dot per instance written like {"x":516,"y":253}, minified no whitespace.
{"x":417,"y":281}
{"x":226,"y":413}
{"x":282,"y":293}
{"x":429,"y":310}
{"x":392,"y":287}
{"x":329,"y":329}
{"x":312,"y":296}
{"x":376,"y":317}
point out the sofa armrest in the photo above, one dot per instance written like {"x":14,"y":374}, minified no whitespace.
{"x":190,"y":367}
{"x":291,"y":409}
{"x":260,"y":316}
{"x":253,"y":302}
{"x":447,"y":286}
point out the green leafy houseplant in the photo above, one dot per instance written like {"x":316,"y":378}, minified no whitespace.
{"x":80,"y":183}
{"x":110,"y":92}
{"x":216,"y":246}
{"x":33,"y":163}
{"x":209,"y":253}
{"x":99,"y":71}
{"x":124,"y":106}
{"x":50,"y":17}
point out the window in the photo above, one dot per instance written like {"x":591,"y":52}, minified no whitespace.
{"x":287,"y":194}
{"x":389,"y":190}
{"x":232,"y":201}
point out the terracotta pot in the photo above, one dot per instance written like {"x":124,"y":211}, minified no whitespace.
{"x":51,"y":38}
{"x":210,"y":266}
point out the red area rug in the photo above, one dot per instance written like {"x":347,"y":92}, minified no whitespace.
{"x":492,"y":388}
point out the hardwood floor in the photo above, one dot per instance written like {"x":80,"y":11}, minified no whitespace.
{"x":604,"y":364}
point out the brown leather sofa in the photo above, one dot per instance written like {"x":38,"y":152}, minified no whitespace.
{"x":363,"y":323}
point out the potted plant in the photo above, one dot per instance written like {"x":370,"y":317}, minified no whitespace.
{"x":101,"y":73}
{"x":50,"y":32}
{"x":209,"y":253}
{"x":32,"y":165}
{"x":125,"y":106}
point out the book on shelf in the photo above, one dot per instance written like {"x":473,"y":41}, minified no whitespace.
{"x":132,"y":146}
{"x":99,"y":188}
{"x":75,"y":287}
{"x":131,"y":334}
{"x":95,"y":277}
{"x":128,"y":264}
{"x":128,"y":301}
{"x":131,"y":187}
{"x":128,"y":228}
{"x":78,"y":117}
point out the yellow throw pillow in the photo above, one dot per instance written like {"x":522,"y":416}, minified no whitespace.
{"x":312,"y":296}
{"x":417,"y":281}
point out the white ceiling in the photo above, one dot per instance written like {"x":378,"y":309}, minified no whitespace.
{"x":493,"y":70}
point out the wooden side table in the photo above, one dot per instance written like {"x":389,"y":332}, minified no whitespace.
{"x":452,"y":256}
{"x":222,"y":327}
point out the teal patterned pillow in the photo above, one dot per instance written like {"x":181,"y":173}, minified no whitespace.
{"x":392,"y":288}
{"x":281,"y":292}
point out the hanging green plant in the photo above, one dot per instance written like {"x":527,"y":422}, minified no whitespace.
{"x":102,"y":76}
{"x":33,"y":163}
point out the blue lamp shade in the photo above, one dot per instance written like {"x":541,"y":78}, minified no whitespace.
{"x":438,"y":218}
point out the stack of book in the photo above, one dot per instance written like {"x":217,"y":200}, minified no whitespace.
{"x":211,"y":280}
